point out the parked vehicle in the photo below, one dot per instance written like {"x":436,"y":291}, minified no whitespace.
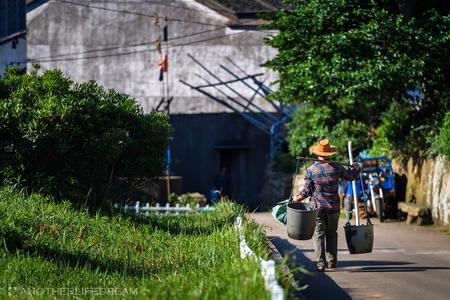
{"x":379,"y":184}
{"x":376,"y":189}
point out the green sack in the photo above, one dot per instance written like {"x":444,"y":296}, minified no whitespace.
{"x":279,"y":211}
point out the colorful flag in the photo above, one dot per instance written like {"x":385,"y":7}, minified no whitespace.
{"x":164,"y":64}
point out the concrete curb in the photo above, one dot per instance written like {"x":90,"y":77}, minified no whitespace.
{"x":278,"y":258}
{"x":267,"y":266}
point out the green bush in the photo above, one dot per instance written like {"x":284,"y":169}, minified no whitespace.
{"x":308,"y":125}
{"x":355,"y":60}
{"x":380,"y":144}
{"x":441,"y":143}
{"x":283,"y":161}
{"x":346,"y":130}
{"x":73,"y":140}
{"x":311,"y":123}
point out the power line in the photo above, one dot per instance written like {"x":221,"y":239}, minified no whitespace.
{"x":131,"y":52}
{"x":54,"y":57}
{"x":220,"y":27}
{"x":132,"y":13}
{"x":127,"y":46}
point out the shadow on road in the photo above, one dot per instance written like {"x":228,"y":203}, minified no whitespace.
{"x":396,"y":269}
{"x":382,"y":266}
{"x":320,"y":285}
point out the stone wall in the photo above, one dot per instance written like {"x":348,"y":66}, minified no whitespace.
{"x":278,"y":186}
{"x":428,"y":184}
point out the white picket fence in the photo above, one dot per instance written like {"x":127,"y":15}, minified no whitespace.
{"x":163,"y":209}
{"x":267,"y":266}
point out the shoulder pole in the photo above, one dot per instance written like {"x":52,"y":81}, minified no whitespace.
{"x":355,"y":197}
{"x":318,"y":160}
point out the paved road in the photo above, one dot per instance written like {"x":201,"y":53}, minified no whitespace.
{"x":408,"y":262}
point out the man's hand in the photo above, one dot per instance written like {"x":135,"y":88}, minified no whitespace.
{"x":298,"y":198}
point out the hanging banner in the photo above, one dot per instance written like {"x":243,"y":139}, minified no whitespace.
{"x":158,"y":44}
{"x":163,"y":67}
{"x":165,"y":29}
{"x":156,"y":16}
{"x":164,"y":64}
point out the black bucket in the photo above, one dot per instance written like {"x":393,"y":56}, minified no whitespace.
{"x":301,"y":221}
{"x":359,"y":238}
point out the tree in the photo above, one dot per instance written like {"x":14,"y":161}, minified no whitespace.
{"x":361,"y":60}
{"x":73,"y":140}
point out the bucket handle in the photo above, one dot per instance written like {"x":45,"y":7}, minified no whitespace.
{"x":365,"y":204}
{"x":297,"y":166}
{"x":365,"y":199}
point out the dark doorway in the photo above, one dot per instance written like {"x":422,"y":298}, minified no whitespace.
{"x":232,"y":173}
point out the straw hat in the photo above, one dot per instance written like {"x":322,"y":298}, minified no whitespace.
{"x":323,"y":148}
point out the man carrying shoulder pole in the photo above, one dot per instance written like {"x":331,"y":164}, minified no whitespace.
{"x":321,"y":185}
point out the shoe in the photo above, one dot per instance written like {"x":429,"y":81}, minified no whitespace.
{"x":320,"y":269}
{"x":331,"y":265}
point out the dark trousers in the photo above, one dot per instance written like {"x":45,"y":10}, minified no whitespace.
{"x":325,"y":238}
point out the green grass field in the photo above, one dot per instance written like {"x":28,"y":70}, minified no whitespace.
{"x":51,"y":250}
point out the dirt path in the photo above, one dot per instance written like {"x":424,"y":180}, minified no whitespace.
{"x":408,"y":262}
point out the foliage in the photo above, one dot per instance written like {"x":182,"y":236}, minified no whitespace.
{"x":380,"y":145}
{"x":72,"y":140}
{"x":351,"y":61}
{"x":48,"y":245}
{"x":347,"y":130}
{"x":441,"y":143}
{"x":283,"y":161}
{"x":309,"y":124}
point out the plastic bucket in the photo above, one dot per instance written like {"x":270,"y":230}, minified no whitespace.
{"x":359,"y":238}
{"x":301,"y":221}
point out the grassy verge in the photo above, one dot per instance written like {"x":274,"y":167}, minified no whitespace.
{"x":53,"y":250}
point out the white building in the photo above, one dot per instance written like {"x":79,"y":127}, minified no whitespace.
{"x":115,"y":43}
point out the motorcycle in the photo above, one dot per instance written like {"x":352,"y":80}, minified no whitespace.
{"x":379,"y":185}
{"x":374,"y":189}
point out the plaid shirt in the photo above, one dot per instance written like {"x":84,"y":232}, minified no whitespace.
{"x":321,"y":183}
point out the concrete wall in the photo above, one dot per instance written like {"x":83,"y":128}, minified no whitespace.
{"x":200,"y":140}
{"x":10,"y":55}
{"x":117,"y":49}
{"x":428,"y":184}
